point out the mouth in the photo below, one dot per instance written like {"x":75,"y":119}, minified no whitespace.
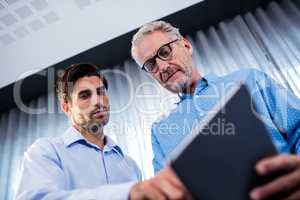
{"x":170,"y":77}
{"x":99,"y":112}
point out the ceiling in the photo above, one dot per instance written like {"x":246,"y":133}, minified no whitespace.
{"x":40,"y":35}
{"x":35,"y":34}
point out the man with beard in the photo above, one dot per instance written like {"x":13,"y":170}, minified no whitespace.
{"x":84,"y":163}
{"x":160,"y":50}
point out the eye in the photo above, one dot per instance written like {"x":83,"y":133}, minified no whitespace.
{"x":101,"y":91}
{"x":151,"y":65}
{"x":164,"y":52}
{"x":84,"y":95}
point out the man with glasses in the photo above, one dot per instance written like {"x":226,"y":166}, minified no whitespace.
{"x":84,"y":163}
{"x":160,"y":50}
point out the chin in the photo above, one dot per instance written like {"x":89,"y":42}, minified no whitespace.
{"x":101,"y":122}
{"x":176,"y":87}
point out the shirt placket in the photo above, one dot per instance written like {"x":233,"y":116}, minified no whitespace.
{"x":105,"y":166}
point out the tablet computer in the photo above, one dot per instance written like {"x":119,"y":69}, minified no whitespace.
{"x":217,"y":160}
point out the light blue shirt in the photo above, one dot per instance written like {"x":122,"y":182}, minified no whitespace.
{"x":70,"y":167}
{"x":279,"y":109}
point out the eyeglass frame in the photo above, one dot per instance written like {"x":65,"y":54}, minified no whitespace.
{"x":157,"y":55}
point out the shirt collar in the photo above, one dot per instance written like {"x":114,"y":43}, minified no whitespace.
{"x":201,"y":85}
{"x":72,"y":135}
{"x":111,"y":145}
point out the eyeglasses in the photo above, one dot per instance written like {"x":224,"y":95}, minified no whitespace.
{"x":164,"y":53}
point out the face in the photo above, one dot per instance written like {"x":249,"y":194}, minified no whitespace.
{"x":89,"y":105}
{"x":175,"y":74}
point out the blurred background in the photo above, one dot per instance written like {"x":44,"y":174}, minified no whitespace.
{"x":39,"y":38}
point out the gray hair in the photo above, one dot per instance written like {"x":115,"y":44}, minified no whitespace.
{"x":149,"y":28}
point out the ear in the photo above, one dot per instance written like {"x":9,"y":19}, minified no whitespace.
{"x":188,"y":46}
{"x":65,"y":107}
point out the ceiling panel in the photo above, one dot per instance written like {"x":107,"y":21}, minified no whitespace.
{"x":36,"y":34}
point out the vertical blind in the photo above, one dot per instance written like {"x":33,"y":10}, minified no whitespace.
{"x":267,"y":39}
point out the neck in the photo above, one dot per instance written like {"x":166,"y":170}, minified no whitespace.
{"x":94,"y":138}
{"x":194,"y":81}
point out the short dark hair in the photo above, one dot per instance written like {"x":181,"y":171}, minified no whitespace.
{"x":66,"y":82}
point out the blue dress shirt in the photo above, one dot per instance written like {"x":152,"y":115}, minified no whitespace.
{"x":70,"y":167}
{"x":278,"y":108}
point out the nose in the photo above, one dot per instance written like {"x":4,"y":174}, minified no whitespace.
{"x":96,"y":99}
{"x":162,"y":64}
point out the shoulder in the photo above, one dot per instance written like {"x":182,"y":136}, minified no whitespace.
{"x":41,"y":144}
{"x":252,"y":73}
{"x":43,"y":147}
{"x":165,"y":115}
{"x":246,"y":74}
{"x":251,"y":78}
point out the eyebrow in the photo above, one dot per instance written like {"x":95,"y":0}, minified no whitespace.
{"x":101,"y":88}
{"x":88,"y":90}
{"x":83,"y":91}
{"x":156,"y":50}
{"x":153,"y":54}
